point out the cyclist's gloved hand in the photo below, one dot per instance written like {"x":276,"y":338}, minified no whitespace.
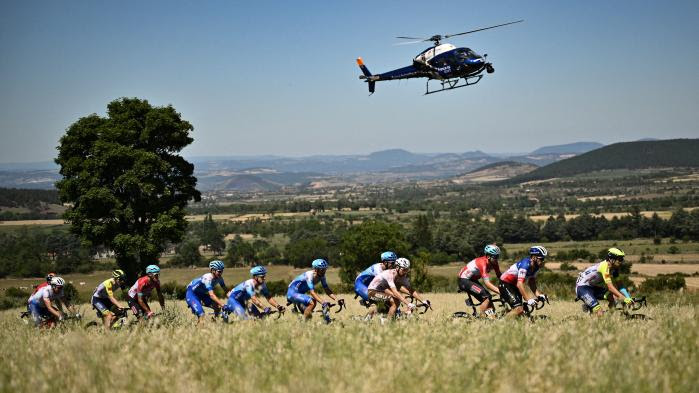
{"x":628,"y":300}
{"x":150,"y":314}
{"x":326,"y":304}
{"x":411,"y":306}
{"x":531,"y":302}
{"x":60,"y":317}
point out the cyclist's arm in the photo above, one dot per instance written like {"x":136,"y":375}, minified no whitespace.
{"x":415,"y":294}
{"x":614,"y":291}
{"x":330,"y":293}
{"x":161,"y":299}
{"x":49,"y":306}
{"x":112,"y":299}
{"x":256,"y":301}
{"x":65,"y":305}
{"x":490,"y":285}
{"x":142,"y":302}
{"x":215,"y":298}
{"x":532,"y":286}
{"x":312,"y":293}
{"x":273,"y":302}
{"x":396,"y":294}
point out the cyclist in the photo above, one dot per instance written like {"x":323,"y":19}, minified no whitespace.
{"x":477,"y":269}
{"x":305,"y":283}
{"x":249,"y":290}
{"x":512,"y":281}
{"x":40,"y":303}
{"x":201,"y":290}
{"x":589,"y":286}
{"x":140,"y":292}
{"x":386,"y":287}
{"x":45,"y":283}
{"x":103,"y":298}
{"x":388,"y":259}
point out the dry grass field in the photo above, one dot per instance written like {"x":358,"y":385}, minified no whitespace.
{"x":431,"y":354}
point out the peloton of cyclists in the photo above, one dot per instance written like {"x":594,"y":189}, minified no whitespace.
{"x":200,"y":292}
{"x":302,"y":289}
{"x":479,"y":269}
{"x":103,"y":297}
{"x":250,"y":290}
{"x":595,"y":283}
{"x":512,"y":281}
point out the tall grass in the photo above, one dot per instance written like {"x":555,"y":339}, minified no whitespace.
{"x":432,"y":354}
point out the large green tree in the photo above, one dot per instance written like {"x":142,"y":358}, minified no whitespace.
{"x":127,"y":184}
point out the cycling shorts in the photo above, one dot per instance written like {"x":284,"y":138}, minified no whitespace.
{"x":39,"y":314}
{"x":510,"y":294}
{"x":361,"y":287}
{"x":136,"y":308}
{"x":589,"y":294}
{"x":298,"y":298}
{"x":197,"y":302}
{"x":474,"y":289}
{"x":101,"y":306}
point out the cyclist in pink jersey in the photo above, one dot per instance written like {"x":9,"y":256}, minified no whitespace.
{"x":140,"y":292}
{"x":479,"y":269}
{"x":386,"y":287}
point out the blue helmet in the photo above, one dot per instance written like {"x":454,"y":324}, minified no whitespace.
{"x":216,"y":265}
{"x":152,"y":269}
{"x":320,"y":264}
{"x":388,"y":256}
{"x":492,"y":250}
{"x":539,"y":251}
{"x":258,"y":271}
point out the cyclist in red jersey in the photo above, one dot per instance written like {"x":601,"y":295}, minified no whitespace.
{"x":479,"y":269}
{"x":140,"y":292}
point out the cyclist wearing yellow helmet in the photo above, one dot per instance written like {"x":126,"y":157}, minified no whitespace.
{"x":589,"y":287}
{"x":103,"y":298}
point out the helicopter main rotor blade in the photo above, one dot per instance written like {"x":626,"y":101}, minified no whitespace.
{"x":485,"y":28}
{"x":412,"y":38}
{"x":409,"y":42}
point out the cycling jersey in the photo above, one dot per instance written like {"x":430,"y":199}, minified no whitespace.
{"x":305,"y":282}
{"x":524,"y":269}
{"x":369,"y":273}
{"x":106,"y":289}
{"x":143,"y":287}
{"x":247,"y":289}
{"x":595,"y":275}
{"x":477,"y":269}
{"x":389,"y":279}
{"x":43,"y":284}
{"x":46,"y":292}
{"x":202,"y":285}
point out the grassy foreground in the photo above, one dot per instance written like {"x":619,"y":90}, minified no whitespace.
{"x":432,"y":354}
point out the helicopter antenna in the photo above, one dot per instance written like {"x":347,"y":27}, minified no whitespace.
{"x":437,"y":37}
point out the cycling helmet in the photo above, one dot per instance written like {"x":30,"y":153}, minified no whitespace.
{"x":388,"y":256}
{"x":403,"y":262}
{"x":118,"y":274}
{"x":216,"y":265}
{"x":492,"y":250}
{"x":616,"y":254}
{"x":258,"y":271}
{"x":50,"y":276}
{"x":320,"y":264}
{"x":58,"y":282}
{"x":152,"y":269}
{"x":538,"y":251}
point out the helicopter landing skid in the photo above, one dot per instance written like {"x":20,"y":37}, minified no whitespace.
{"x":450,"y":84}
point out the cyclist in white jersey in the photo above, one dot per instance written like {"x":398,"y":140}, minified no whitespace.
{"x":386,"y":287}
{"x":595,"y":283}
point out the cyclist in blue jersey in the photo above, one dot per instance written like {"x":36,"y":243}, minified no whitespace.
{"x":388,"y":259}
{"x":512,"y":281}
{"x":200,"y":292}
{"x":249,"y":290}
{"x":305,"y":283}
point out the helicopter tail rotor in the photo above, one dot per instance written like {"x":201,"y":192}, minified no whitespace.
{"x":371,"y":79}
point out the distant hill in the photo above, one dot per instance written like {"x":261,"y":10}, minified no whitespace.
{"x":570,"y":148}
{"x":495,"y":172}
{"x":625,"y":155}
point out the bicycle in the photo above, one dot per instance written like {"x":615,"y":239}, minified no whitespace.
{"x":497,"y":302}
{"x":637,"y":304}
{"x":121,"y":317}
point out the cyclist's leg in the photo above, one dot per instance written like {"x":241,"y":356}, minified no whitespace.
{"x":360,"y":288}
{"x":510,"y":294}
{"x":103,"y":312}
{"x":136,"y":309}
{"x":234,"y":307}
{"x":37,"y":313}
{"x":588,"y":294}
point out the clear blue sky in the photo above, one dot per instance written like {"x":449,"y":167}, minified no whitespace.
{"x":280,"y":77}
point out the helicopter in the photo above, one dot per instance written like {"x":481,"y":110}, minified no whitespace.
{"x":450,"y":66}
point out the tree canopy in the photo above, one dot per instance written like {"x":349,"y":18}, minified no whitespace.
{"x":125,"y":180}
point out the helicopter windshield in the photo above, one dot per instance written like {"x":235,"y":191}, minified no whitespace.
{"x":466,"y":53}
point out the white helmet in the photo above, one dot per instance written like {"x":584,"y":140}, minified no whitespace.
{"x":403,"y":262}
{"x":57,"y":281}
